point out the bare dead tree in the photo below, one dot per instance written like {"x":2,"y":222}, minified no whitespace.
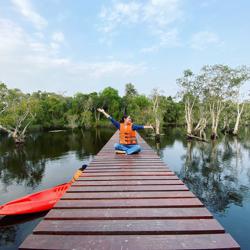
{"x":240,"y":108}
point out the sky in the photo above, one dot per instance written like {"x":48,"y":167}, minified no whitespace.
{"x":66,"y":47}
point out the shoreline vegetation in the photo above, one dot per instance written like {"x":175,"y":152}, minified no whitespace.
{"x":207,"y":102}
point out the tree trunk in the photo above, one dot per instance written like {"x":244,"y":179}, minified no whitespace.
{"x":214,"y":134}
{"x":157,"y":126}
{"x":13,"y":134}
{"x":188,"y":116}
{"x":156,"y":116}
{"x":97,"y":117}
{"x":197,"y":127}
{"x":197,"y":138}
{"x":237,"y":123}
{"x":189,"y":128}
{"x":215,"y":110}
{"x":200,"y":129}
{"x":157,"y":129}
{"x":226,"y":123}
{"x":5,"y":130}
{"x":18,"y":135}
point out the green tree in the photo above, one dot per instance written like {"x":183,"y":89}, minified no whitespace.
{"x":19,"y":113}
{"x":111,"y":101}
{"x":52,"y":110}
{"x":130,"y":90}
{"x":220,"y":84}
{"x":190,"y":90}
{"x":139,"y":107}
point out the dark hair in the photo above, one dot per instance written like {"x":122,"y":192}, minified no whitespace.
{"x":124,"y":117}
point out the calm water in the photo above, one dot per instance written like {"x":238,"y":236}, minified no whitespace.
{"x":219,"y":174}
{"x":46,"y":160}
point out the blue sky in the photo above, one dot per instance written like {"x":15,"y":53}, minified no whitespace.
{"x":83,"y":46}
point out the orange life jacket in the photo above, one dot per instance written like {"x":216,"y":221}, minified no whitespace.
{"x":127,"y":134}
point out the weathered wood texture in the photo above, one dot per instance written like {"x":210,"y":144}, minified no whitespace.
{"x":129,"y":202}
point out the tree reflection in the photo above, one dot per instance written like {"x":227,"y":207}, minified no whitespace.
{"x":168,"y":139}
{"x":14,"y":229}
{"x":26,"y":165}
{"x":7,"y":235}
{"x":17,"y":166}
{"x":213,"y":173}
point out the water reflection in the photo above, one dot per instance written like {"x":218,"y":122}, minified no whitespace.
{"x":16,"y":166}
{"x":14,"y":229}
{"x":45,"y":160}
{"x":26,"y":164}
{"x":217,"y":172}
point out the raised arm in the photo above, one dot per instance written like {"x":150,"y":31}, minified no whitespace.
{"x":148,"y":126}
{"x":115,"y":123}
{"x":102,"y":111}
{"x":139,"y":127}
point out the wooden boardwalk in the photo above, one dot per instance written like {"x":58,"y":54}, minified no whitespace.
{"x":129,"y":202}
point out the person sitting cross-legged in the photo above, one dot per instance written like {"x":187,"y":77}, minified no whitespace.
{"x":127,"y":141}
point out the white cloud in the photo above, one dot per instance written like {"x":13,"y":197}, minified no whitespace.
{"x":39,"y":35}
{"x":57,"y":40}
{"x":26,"y":61}
{"x":165,"y":39}
{"x":103,"y":69}
{"x":58,"y":37}
{"x":12,"y":36}
{"x":156,"y":15}
{"x":204,"y":39}
{"x":26,"y":9}
{"x":118,"y":14}
{"x":162,"y":12}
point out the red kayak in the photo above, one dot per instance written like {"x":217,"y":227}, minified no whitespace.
{"x":36,"y":202}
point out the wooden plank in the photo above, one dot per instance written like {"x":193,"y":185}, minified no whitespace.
{"x":145,"y":148}
{"x":130,"y":242}
{"x":129,"y":203}
{"x":109,"y":149}
{"x":127,"y":195}
{"x":132,"y":165}
{"x":129,"y":168}
{"x":127,"y":178}
{"x":127,"y":227}
{"x":148,"y":166}
{"x":127,"y":157}
{"x":122,"y":158}
{"x":122,"y":170}
{"x":141,"y":155}
{"x":129,"y":182}
{"x":131,"y":213}
{"x":112,"y":160}
{"x":118,"y":158}
{"x":98,"y":159}
{"x":133,"y":188}
{"x":128,"y":173}
{"x":127,"y":164}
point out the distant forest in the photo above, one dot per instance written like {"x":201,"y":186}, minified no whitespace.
{"x":207,"y":101}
